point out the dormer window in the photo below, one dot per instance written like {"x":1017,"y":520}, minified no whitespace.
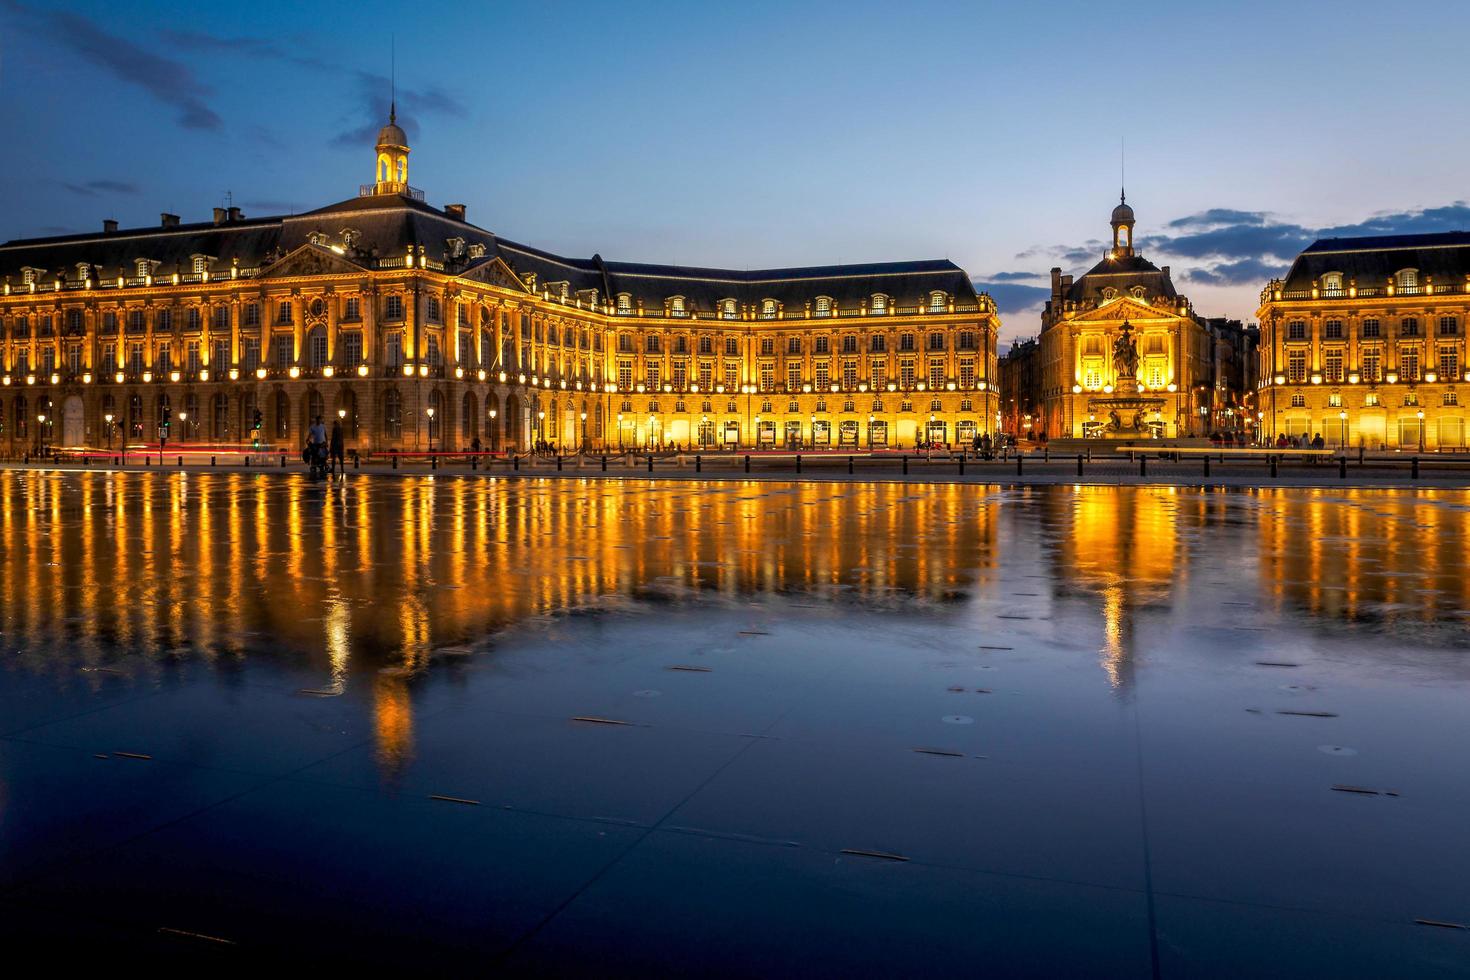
{"x":199,"y":264}
{"x":317,"y":237}
{"x":1332,"y":282}
{"x":938,"y":302}
{"x":880,"y":303}
{"x":1137,"y":292}
{"x":625,"y":303}
{"x":1109,"y":294}
{"x":454,"y":247}
{"x":727,"y":309}
{"x":28,"y":276}
{"x":824,"y":306}
{"x":350,"y":238}
{"x":84,"y":269}
{"x":676,"y":306}
{"x":768,"y":309}
{"x":476,"y":251}
{"x":1408,"y":279}
{"x":145,"y":268}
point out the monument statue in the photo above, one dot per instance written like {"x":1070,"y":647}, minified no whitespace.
{"x":1125,"y":354}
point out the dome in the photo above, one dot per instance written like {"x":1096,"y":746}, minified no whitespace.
{"x":1122,"y":213}
{"x":392,"y":135}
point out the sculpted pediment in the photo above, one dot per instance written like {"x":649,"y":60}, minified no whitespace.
{"x":1124,"y":308}
{"x":494,"y":272}
{"x":310,"y":260}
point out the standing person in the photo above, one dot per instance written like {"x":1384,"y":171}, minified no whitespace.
{"x":338,"y":452}
{"x":316,"y":446}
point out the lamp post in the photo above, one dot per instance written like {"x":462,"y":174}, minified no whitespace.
{"x":430,"y":412}
{"x":183,"y":426}
{"x":540,"y":425}
{"x":494,"y":431}
{"x":870,"y":432}
{"x":814,"y":430}
{"x":41,"y":434}
{"x":1342,"y":434}
{"x":584,"y":432}
{"x":620,"y":431}
{"x":108,"y":419}
{"x":1420,"y":414}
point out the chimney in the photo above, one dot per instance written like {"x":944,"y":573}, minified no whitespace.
{"x":1056,"y":282}
{"x":169,"y":220}
{"x":1165,"y":271}
{"x":109,"y":225}
{"x":219,"y":216}
{"x":455,"y":211}
{"x":236,"y":214}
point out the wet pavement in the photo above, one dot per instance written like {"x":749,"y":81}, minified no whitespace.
{"x":637,"y":728}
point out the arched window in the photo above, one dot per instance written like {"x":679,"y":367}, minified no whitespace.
{"x":393,"y":414}
{"x":676,"y":306}
{"x":625,"y":303}
{"x":938,"y":302}
{"x":880,"y":303}
{"x":824,"y":306}
{"x":768,"y":309}
{"x":1332,"y":282}
{"x":1408,"y":278}
{"x":1109,"y":294}
{"x":316,"y":348}
{"x":727,"y":309}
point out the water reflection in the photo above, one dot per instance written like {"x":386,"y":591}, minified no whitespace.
{"x":377,"y":578}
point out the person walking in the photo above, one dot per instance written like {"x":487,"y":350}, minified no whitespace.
{"x":316,"y":447}
{"x":338,"y":450}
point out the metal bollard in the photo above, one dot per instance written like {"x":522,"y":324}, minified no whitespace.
{"x":357,"y":462}
{"x":247,"y":460}
{"x":212,"y":461}
{"x":517,"y":461}
{"x":1342,"y":468}
{"x":395,"y":461}
{"x":849,"y":466}
{"x":181,"y":461}
{"x":962,"y":464}
{"x":558,"y":462}
{"x":604,"y":464}
{"x":1020,"y":464}
{"x":699,"y":464}
{"x":1142,"y":465}
{"x":798,"y":462}
{"x":1274,"y":468}
{"x":283,"y":461}
{"x":747,"y":464}
{"x":1415,"y":462}
{"x":905,"y":466}
{"x":1046,"y":454}
{"x":1207,"y":464}
{"x":1079,"y":464}
{"x":434,"y":463}
{"x":474,"y":463}
{"x":650,"y":462}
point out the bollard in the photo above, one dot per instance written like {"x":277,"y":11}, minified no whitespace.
{"x":395,"y":460}
{"x":558,"y":462}
{"x":247,"y":460}
{"x":283,"y":461}
{"x":474,"y":463}
{"x":962,"y":464}
{"x":212,"y":461}
{"x":604,"y":464}
{"x":1342,"y":468}
{"x":434,"y":463}
{"x":514,"y":459}
{"x":905,"y":466}
{"x":1142,"y":465}
{"x":1046,"y":454}
{"x":1274,"y":469}
{"x":650,"y":462}
{"x":1079,"y":464}
{"x":747,"y":464}
{"x":147,"y":460}
{"x":1415,"y":462}
{"x":849,"y":466}
{"x":86,"y":460}
{"x":1207,"y":464}
{"x":1020,"y":457}
{"x":798,"y":462}
{"x":181,"y":461}
{"x":1360,"y":454}
{"x":699,"y":464}
{"x":356,"y":461}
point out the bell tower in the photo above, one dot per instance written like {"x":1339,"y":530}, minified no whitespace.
{"x":392,"y":150}
{"x":1122,"y":223}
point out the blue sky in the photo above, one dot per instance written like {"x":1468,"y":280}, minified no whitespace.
{"x":767,"y":134}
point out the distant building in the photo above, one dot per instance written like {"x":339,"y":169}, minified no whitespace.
{"x":1020,"y":388}
{"x":1234,"y":365}
{"x":418,"y":328}
{"x":1363,"y":343}
{"x":1127,"y":300}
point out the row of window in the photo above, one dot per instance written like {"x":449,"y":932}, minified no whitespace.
{"x":1372,"y":400}
{"x":1404,"y":279}
{"x":1449,"y":326}
{"x":793,"y":407}
{"x":729,"y":309}
{"x":1370,"y":366}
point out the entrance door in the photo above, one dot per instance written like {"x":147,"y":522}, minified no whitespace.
{"x":732,"y":434}
{"x":877,"y":434}
{"x":847,"y":434}
{"x":73,"y":428}
{"x":821,"y":434}
{"x":965,"y":432}
{"x":706,"y":433}
{"x":936,"y":433}
{"x":793,"y":434}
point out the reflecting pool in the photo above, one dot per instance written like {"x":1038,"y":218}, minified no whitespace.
{"x":551,"y":726}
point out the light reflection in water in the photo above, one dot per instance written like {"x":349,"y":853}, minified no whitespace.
{"x":371,"y":578}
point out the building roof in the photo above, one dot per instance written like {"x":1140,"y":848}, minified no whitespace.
{"x":1371,"y":261}
{"x":384,"y":225}
{"x":1121,"y":273}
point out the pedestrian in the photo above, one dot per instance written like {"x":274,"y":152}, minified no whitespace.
{"x":338,"y":450}
{"x":316,"y":446}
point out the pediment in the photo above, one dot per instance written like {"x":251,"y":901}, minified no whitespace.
{"x":310,"y":260}
{"x":1124,"y":308}
{"x":494,"y":272}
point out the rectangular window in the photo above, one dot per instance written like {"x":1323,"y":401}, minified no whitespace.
{"x":1332,"y":365}
{"x":1332,"y":330}
{"x":164,"y":362}
{"x":1408,"y":364}
{"x":432,"y":309}
{"x":822,"y":345}
{"x":1296,"y":366}
{"x":1372,"y":366}
{"x":283,"y":313}
{"x":706,"y":375}
{"x":1334,"y":400}
{"x":878,"y":372}
{"x":432,"y":355}
{"x":1450,"y":398}
{"x":464,"y":348}
{"x":48,"y":360}
{"x":351,"y":348}
{"x":393,"y":308}
{"x":252,"y":354}
{"x":109,"y":358}
{"x":1370,"y":400}
{"x":967,"y":340}
{"x":191,"y":355}
{"x":793,"y":375}
{"x":252,"y":314}
{"x":625,"y":375}
{"x":1449,"y":364}
{"x":1370,"y":328}
{"x":732,"y":347}
{"x":135,"y":358}
{"x":352,"y":309}
{"x":653,"y":373}
{"x":220,"y":359}
{"x":1448,"y":326}
{"x":906,"y":373}
{"x":936,"y":341}
{"x":732,"y":375}
{"x":651,"y":344}
{"x":793,"y":345}
{"x":681,"y":375}
{"x":822,"y":375}
{"x":936,"y":374}
{"x":768,"y":376}
{"x":905,"y":341}
{"x":878,"y":343}
{"x":967,"y":372}
{"x":283,"y":347}
{"x":1296,"y":330}
{"x":1409,"y":327}
{"x":164,"y":323}
{"x":849,"y":375}
{"x":316,"y":349}
{"x":768,"y":345}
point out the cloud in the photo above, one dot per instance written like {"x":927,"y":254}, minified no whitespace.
{"x":1219,"y":216}
{"x":269,"y":206}
{"x":1013,"y":299}
{"x":1014,"y":276}
{"x":92,"y":188}
{"x":1243,"y":272}
{"x":374,"y":91}
{"x":169,"y":81}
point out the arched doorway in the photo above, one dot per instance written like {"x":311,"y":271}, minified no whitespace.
{"x":469,"y":419}
{"x":511,"y":422}
{"x":73,"y":422}
{"x":347,"y":411}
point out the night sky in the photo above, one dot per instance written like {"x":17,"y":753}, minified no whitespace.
{"x":767,"y":134}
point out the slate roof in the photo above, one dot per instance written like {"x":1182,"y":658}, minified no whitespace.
{"x":387,"y":225}
{"x":1122,"y":274}
{"x":1372,"y":260}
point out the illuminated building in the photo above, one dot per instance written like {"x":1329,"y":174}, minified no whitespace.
{"x":1363,"y":343}
{"x":419,"y":328}
{"x":1172,"y":391}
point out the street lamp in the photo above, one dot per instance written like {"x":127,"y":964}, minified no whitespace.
{"x":1342,"y":436}
{"x":183,"y":426}
{"x":430,"y":412}
{"x":620,"y":430}
{"x":870,"y":432}
{"x":540,"y":424}
{"x":1420,"y":414}
{"x":584,"y":432}
{"x":41,"y":433}
{"x":108,"y":419}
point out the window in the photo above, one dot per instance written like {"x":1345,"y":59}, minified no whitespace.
{"x":432,"y":310}
{"x":767,"y":376}
{"x":706,"y":344}
{"x":676,"y":306}
{"x":653,"y":373}
{"x":164,"y":362}
{"x":283,"y":351}
{"x":164,"y":323}
{"x":432,"y":353}
{"x":393,"y":414}
{"x":1332,"y":365}
{"x":1332,"y":330}
{"x":109,"y":322}
{"x":936,"y":373}
{"x":793,"y":345}
{"x":1296,"y":330}
{"x":625,"y":343}
{"x":220,"y":359}
{"x":768,"y":309}
{"x":822,"y":345}
{"x":681,"y":344}
{"x":461,"y":315}
{"x":316,"y":348}
{"x":1411,"y":399}
{"x":849,"y":375}
{"x":849,"y":343}
{"x":1409,"y":363}
{"x":938,"y":302}
{"x":1450,"y":398}
{"x":191,"y":358}
{"x":1409,"y":327}
{"x":727,"y":309}
{"x":1331,"y":283}
{"x":220,"y":318}
{"x":1448,"y":326}
{"x":793,"y":375}
{"x":732,"y":375}
{"x":252,"y":314}
{"x":109,"y":358}
{"x":681,"y":375}
{"x":252,"y":354}
{"x":905,"y":341}
{"x":352,"y":309}
{"x":625,"y":375}
{"x":823,"y":375}
{"x":1449,"y":363}
{"x":1370,"y":327}
{"x":393,"y":350}
{"x":464,"y":348}
{"x":732,"y":346}
{"x":283,"y":313}
{"x":906,"y":373}
{"x":651,"y":344}
{"x":1370,"y":400}
{"x":824,"y":306}
{"x":393,"y":308}
{"x":936,"y":341}
{"x":706,"y":375}
{"x":191,"y":318}
{"x":1372,"y":369}
{"x":625,"y":303}
{"x":1296,"y":366}
{"x":967,"y":340}
{"x":967,"y":372}
{"x":1334,"y":400}
{"x":878,"y":372}
{"x":880,"y":303}
{"x":1408,"y":279}
{"x":1298,"y":401}
{"x":877,"y":344}
{"x":768,"y":345}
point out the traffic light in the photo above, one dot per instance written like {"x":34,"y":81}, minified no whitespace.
{"x":255,"y":424}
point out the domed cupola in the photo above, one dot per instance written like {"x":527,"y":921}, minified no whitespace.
{"x":1122,"y":222}
{"x":392,"y":169}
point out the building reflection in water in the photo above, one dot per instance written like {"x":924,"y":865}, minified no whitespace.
{"x":375,"y":578}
